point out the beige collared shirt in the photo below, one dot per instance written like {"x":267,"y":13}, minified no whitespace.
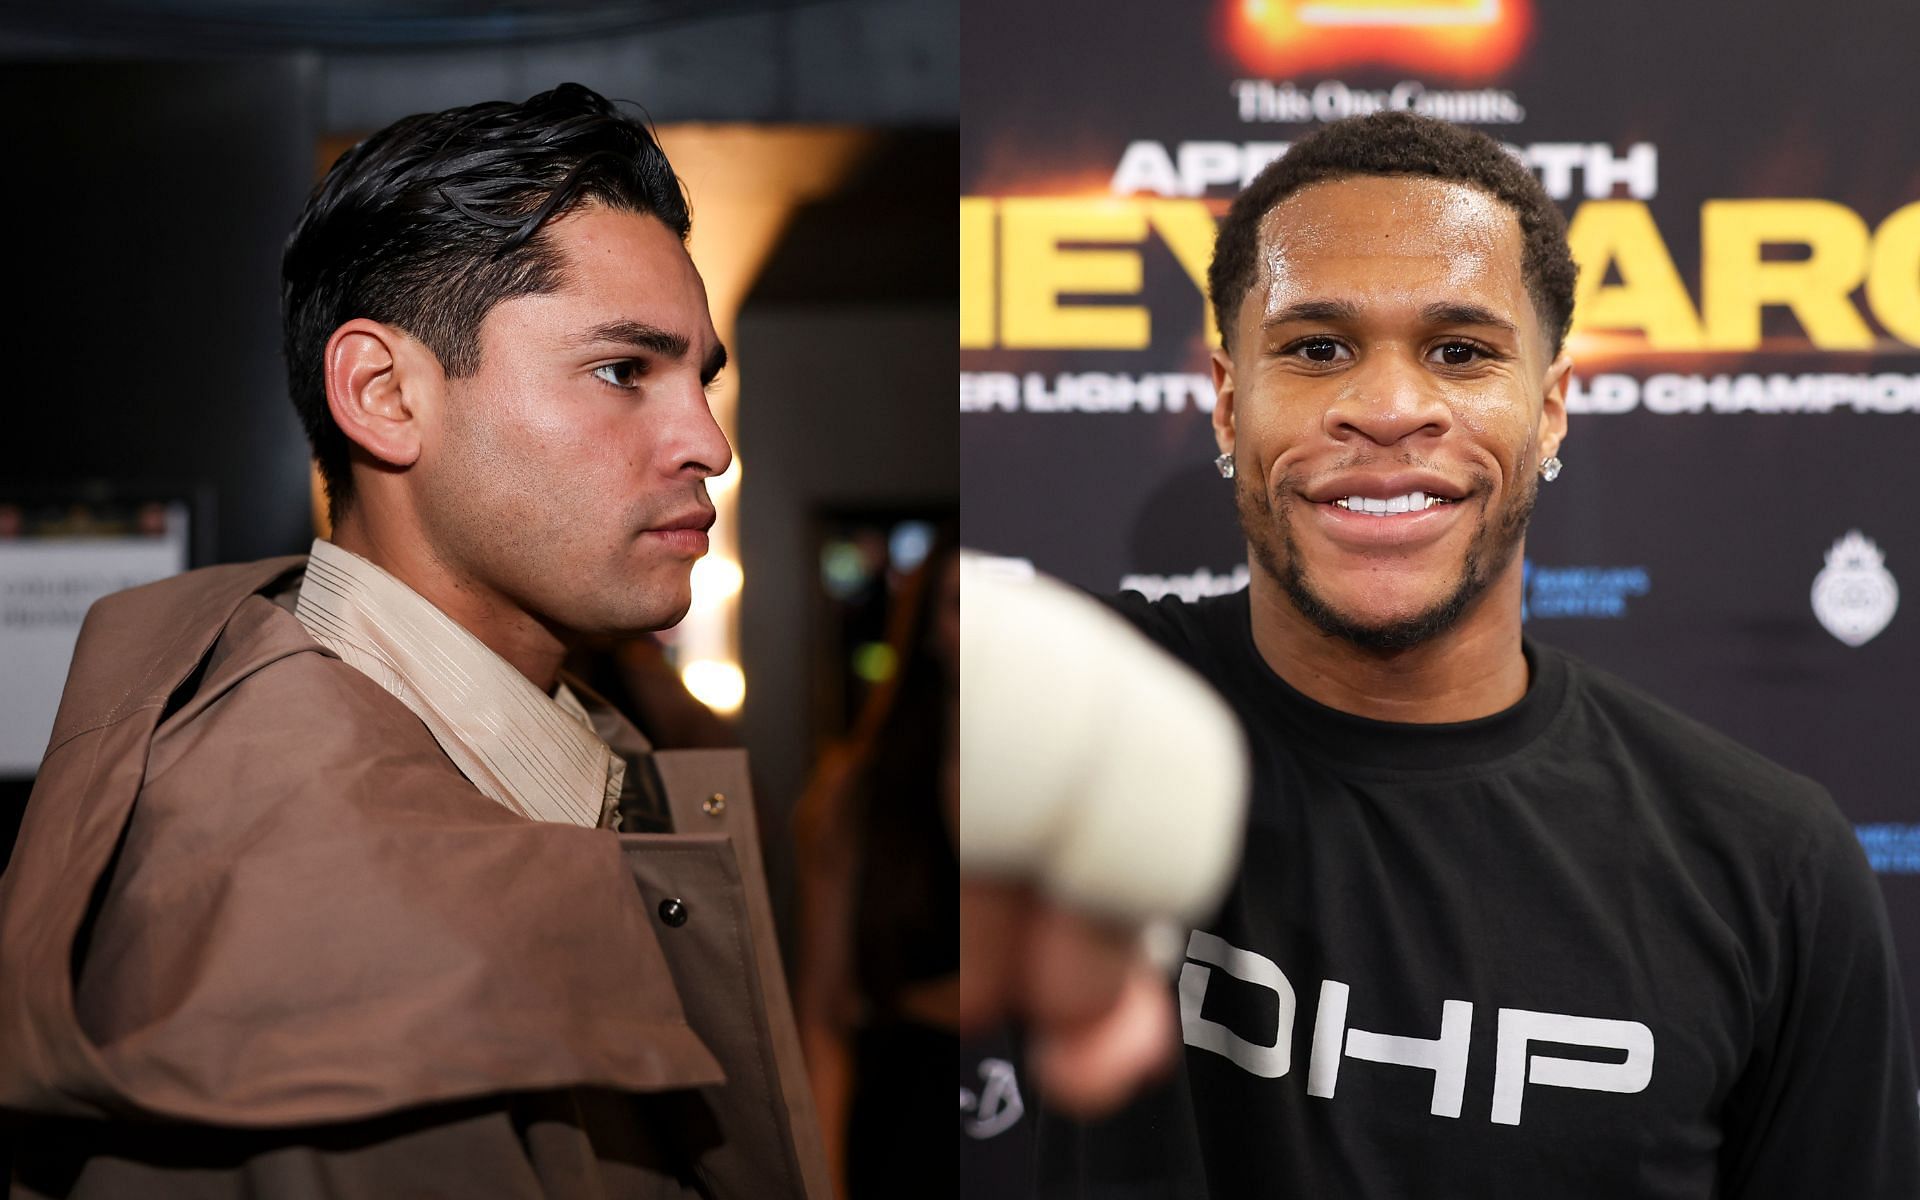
{"x":534,"y":753}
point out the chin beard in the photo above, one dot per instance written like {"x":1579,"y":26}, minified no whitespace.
{"x":1493,"y":546}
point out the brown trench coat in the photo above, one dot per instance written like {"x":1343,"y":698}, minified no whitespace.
{"x":260,"y":937}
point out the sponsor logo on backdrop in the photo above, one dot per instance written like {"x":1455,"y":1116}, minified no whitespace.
{"x":1891,"y":849}
{"x":1550,"y":593}
{"x":995,"y":1106}
{"x":1286,"y":102}
{"x":1460,"y":39}
{"x":1854,"y":595}
{"x":1190,"y":587}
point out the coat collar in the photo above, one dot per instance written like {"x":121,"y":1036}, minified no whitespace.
{"x":536,"y":754}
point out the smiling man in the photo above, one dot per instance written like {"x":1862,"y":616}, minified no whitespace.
{"x":331,"y":883}
{"x":1504,"y":925}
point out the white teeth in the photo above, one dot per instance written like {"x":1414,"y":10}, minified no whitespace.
{"x":1373,"y":506}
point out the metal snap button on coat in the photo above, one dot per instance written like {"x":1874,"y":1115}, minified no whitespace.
{"x":714,"y":805}
{"x":673,"y":911}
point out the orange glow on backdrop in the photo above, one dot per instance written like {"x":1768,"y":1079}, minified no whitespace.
{"x":1463,"y":40}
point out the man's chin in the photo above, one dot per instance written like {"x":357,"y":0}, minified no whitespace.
{"x":1385,"y":628}
{"x":653,"y":620}
{"x":1394,"y":609}
{"x":674,"y":617}
{"x":631,"y":617}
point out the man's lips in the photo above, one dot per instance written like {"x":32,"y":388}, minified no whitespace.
{"x":1400,"y":510}
{"x":700,"y":519}
{"x":686,"y":534}
{"x":1357,"y":485}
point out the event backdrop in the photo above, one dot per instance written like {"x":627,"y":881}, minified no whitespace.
{"x":1736,"y":520}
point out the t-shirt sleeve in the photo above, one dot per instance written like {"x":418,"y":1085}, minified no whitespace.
{"x":1826,"y":1106}
{"x":1138,"y":612}
{"x":1169,"y":624}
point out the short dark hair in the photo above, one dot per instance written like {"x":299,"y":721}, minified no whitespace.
{"x":1399,"y":143}
{"x":431,"y":222}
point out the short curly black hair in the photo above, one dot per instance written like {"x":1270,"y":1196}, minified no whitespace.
{"x":431,"y":222}
{"x":1399,"y":143}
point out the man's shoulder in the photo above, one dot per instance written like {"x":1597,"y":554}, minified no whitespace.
{"x":1647,"y":720}
{"x":279,"y":715}
{"x":1714,"y":775}
{"x":244,"y":693}
{"x":287,"y":810}
{"x":137,"y":646}
{"x":1201,"y":632}
{"x":188,"y":601}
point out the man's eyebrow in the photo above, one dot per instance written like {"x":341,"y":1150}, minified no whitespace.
{"x":634,"y":333}
{"x":1313,"y":310}
{"x":1455,"y":313}
{"x":716,"y":359}
{"x":656,"y":340}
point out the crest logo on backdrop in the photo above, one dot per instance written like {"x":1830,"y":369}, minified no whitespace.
{"x":1854,"y":595}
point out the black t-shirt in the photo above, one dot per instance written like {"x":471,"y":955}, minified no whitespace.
{"x":1585,"y":947}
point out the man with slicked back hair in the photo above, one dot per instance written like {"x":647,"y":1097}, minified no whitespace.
{"x":332,"y":882}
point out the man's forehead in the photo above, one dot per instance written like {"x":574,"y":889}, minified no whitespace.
{"x":1394,"y":230}
{"x":569,"y":318}
{"x":626,"y":267}
{"x":1390,"y":214}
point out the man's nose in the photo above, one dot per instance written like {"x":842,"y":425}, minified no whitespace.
{"x":697,"y":444}
{"x":1389,"y":397}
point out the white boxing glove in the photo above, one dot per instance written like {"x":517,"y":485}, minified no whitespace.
{"x":1091,"y":762}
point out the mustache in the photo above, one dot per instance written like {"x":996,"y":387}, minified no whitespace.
{"x":689,"y":509}
{"x":1296,"y":481}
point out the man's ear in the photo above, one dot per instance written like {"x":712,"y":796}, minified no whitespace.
{"x":1223,"y":394}
{"x":1553,"y":405}
{"x":381,"y":383}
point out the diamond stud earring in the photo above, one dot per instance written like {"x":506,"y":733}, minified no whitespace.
{"x":1550,"y":469}
{"x":1224,"y":465}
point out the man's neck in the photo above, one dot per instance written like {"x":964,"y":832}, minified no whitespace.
{"x":527,"y":645}
{"x":1474,"y":669}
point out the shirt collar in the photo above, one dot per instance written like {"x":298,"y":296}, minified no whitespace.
{"x":534,"y":753}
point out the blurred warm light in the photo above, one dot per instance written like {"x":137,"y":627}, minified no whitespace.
{"x":745,"y":182}
{"x":715,"y":579}
{"x":317,"y":499}
{"x":726,"y":480}
{"x":718,"y":685}
{"x":1461,"y":40}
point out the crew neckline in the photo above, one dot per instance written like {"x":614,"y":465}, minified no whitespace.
{"x":1369,"y":744}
